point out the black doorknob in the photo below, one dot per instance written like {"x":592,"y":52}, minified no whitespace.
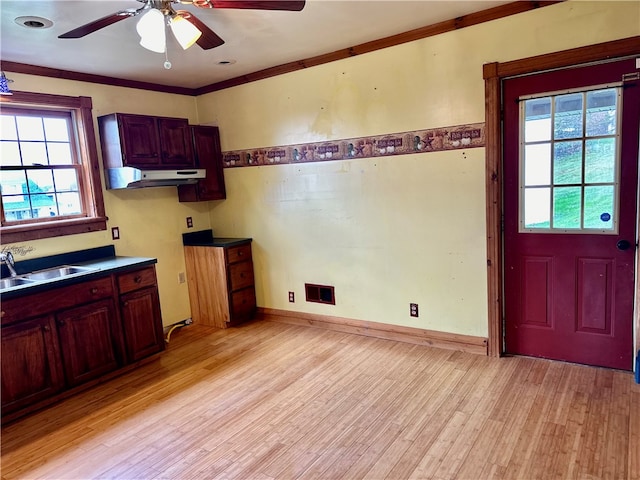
{"x":623,"y":245}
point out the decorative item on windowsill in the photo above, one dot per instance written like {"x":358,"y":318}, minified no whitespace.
{"x":4,"y":85}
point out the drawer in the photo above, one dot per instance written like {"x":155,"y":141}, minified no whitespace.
{"x":243,"y":304}
{"x":240,"y":275}
{"x":239,"y":253}
{"x":130,"y":281}
{"x":50,"y":301}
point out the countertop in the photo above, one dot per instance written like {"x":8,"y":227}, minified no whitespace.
{"x":205,"y":238}
{"x":101,"y":261}
{"x":219,"y":242}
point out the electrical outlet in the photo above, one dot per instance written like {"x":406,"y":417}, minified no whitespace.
{"x":189,"y":222}
{"x":115,"y":233}
{"x":292,"y":297}
{"x":413,"y":309}
{"x":181,"y":277}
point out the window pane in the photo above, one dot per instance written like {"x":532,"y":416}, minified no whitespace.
{"x":537,"y":126}
{"x":600,"y":160}
{"x":66,"y":180}
{"x":10,"y":154}
{"x":567,"y":163}
{"x":537,"y":164}
{"x":33,"y":153}
{"x":568,"y":116}
{"x":13,"y":183}
{"x":40,"y":181}
{"x":42,"y":206}
{"x":601,"y":112}
{"x":59,"y":153}
{"x":56,"y":130}
{"x":537,"y":203}
{"x":598,"y":207}
{"x":566,"y":207}
{"x":69,"y":203}
{"x":30,"y":128}
{"x":8,"y":128}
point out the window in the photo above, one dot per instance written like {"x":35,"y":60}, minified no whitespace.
{"x":50,"y":176}
{"x":570,"y":161}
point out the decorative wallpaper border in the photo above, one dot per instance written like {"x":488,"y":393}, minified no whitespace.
{"x":417,"y":141}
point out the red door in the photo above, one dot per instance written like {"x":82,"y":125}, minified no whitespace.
{"x":570,"y":170}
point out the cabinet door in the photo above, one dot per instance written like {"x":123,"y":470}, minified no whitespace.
{"x":140,"y":140}
{"x":208,"y":155}
{"x":31,"y":368}
{"x":175,"y":142}
{"x":143,"y":334}
{"x":88,"y":345}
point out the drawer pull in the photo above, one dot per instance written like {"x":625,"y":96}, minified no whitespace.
{"x":94,"y":290}
{"x":240,"y":253}
{"x":137,"y":279}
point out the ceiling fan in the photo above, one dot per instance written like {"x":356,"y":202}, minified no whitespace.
{"x":196,"y":31}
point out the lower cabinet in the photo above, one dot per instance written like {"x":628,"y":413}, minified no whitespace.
{"x":221,"y":284}
{"x":61,"y":338}
{"x":89,"y":349}
{"x":31,"y":363}
{"x":140,"y":307}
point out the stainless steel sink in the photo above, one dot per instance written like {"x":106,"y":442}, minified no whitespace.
{"x":13,"y":282}
{"x":57,"y":272}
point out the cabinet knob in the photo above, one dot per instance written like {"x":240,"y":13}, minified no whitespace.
{"x":125,"y":304}
{"x":240,"y":253}
{"x":3,"y":313}
{"x":93,"y":291}
{"x":137,"y":279}
{"x":61,"y":323}
{"x":46,"y":328}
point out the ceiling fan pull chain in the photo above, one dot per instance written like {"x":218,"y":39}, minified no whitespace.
{"x":167,"y":63}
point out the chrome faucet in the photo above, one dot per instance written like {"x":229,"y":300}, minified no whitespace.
{"x":7,"y":258}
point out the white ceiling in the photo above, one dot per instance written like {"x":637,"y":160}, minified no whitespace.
{"x":255,"y":40}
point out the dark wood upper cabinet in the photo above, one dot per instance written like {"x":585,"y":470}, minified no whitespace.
{"x":208,"y":155}
{"x":145,"y":141}
{"x":175,"y":142}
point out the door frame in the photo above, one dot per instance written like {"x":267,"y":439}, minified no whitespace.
{"x":494,"y":74}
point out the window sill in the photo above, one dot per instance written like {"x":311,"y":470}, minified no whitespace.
{"x":22,"y":233}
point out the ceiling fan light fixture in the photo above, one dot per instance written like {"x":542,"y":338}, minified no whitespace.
{"x":151,"y":28}
{"x":185,"y":32}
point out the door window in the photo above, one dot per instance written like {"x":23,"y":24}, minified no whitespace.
{"x":569,"y":161}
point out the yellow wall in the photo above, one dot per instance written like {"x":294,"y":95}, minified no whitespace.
{"x":151,"y":221}
{"x":386,"y":231}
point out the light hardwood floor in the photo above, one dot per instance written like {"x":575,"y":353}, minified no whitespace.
{"x":270,"y":400}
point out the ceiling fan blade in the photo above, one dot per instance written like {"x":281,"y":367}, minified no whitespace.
{"x":98,"y":24}
{"x":208,"y":39}
{"x":290,"y":5}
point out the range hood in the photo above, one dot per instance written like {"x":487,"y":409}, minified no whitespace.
{"x":129,"y":177}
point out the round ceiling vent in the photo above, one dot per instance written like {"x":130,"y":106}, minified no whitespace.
{"x":34,"y":22}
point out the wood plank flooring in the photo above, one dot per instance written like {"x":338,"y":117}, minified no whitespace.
{"x":275,"y":401}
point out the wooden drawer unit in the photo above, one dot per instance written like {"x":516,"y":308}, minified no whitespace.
{"x":221,"y":283}
{"x":130,"y":281}
{"x":240,"y":253}
{"x":17,"y":309}
{"x":240,"y":275}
